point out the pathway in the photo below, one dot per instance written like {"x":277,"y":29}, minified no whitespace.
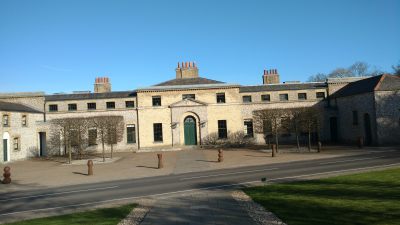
{"x":214,"y":207}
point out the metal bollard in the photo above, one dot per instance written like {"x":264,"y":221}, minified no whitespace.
{"x":319,"y":146}
{"x":273,"y":150}
{"x":360,"y":142}
{"x":6,"y":175}
{"x":160,"y":161}
{"x":90,"y":167}
{"x":220,"y":155}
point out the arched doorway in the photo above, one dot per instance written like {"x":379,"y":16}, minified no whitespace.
{"x":190,"y":130}
{"x":6,"y":147}
{"x":367,"y":129}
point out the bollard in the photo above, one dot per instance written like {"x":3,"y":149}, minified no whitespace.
{"x":273,"y":150}
{"x":160,"y":161}
{"x":319,"y":146}
{"x":360,"y":142}
{"x":6,"y":175}
{"x":90,"y":167}
{"x":220,"y":155}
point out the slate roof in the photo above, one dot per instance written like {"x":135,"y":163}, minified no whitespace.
{"x":377,"y":83}
{"x":187,"y":87}
{"x":82,"y":96}
{"x":15,"y":107}
{"x":189,"y":81}
{"x":282,"y":87}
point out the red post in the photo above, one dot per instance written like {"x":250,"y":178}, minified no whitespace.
{"x":273,"y":150}
{"x":220,"y":155}
{"x":160,"y":161}
{"x":90,"y":167}
{"x":6,"y":175}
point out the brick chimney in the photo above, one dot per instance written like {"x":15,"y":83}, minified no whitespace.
{"x":102,"y":84}
{"x":270,"y":76}
{"x":187,"y":70}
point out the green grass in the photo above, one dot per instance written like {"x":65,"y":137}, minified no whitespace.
{"x":365,"y":198}
{"x":106,"y":216}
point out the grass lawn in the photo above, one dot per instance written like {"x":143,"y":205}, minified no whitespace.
{"x":365,"y":198}
{"x":105,"y":216}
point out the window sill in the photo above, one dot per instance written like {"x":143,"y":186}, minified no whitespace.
{"x":131,"y":143}
{"x":158,"y":142}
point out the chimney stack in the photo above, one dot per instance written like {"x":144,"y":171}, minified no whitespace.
{"x":187,"y":70}
{"x":270,"y":76}
{"x":102,"y":85}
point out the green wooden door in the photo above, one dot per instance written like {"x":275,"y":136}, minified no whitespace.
{"x":190,"y":131}
{"x":5,"y":150}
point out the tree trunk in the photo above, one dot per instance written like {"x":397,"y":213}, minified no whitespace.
{"x":69,"y":153}
{"x":276,"y":137}
{"x":102,"y":143}
{"x":309,"y":140}
{"x":112,"y":149}
{"x":297,"y":138}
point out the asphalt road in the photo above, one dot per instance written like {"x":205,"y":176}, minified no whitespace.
{"x":27,"y":204}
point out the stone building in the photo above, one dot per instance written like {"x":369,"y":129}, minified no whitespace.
{"x":183,"y":111}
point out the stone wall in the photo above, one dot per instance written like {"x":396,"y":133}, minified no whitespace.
{"x":362,"y":103}
{"x":28,"y":135}
{"x":387,"y":104}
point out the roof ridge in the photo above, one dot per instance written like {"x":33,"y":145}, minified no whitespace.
{"x":383,"y":76}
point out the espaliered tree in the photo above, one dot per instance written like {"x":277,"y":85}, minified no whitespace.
{"x":268,"y":120}
{"x":115,"y":130}
{"x":70,"y":132}
{"x":310,"y":122}
{"x":110,"y":131}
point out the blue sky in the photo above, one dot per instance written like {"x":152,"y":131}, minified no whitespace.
{"x":61,"y":46}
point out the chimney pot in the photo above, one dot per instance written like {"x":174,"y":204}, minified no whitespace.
{"x":194,"y":64}
{"x":178,"y":65}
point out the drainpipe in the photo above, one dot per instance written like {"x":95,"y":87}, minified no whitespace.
{"x":137,"y":125}
{"x":172,"y":130}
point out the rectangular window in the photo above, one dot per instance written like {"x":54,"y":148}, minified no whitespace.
{"x":6,"y":121}
{"x":156,"y":100}
{"x":110,"y":105}
{"x":222,"y":129}
{"x":285,"y":125}
{"x":320,"y":95}
{"x":266,"y":98}
{"x":186,"y":96}
{"x":220,"y":97}
{"x":302,"y":96}
{"x":283,"y":97}
{"x":130,"y":104}
{"x":130,"y":134}
{"x":16,"y":144}
{"x":157,"y":131}
{"x":248,"y":128}
{"x":53,"y":108}
{"x":24,"y":121}
{"x":92,"y":133}
{"x":247,"y":98}
{"x":355,"y":118}
{"x":72,"y":107}
{"x":91,"y":106}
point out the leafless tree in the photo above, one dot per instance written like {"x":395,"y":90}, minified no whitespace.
{"x":297,"y":117}
{"x":268,"y":120}
{"x":310,"y":122}
{"x":319,"y":77}
{"x":69,"y":132}
{"x":114,"y":130}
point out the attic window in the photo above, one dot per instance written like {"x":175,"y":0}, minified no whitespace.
{"x":188,"y":96}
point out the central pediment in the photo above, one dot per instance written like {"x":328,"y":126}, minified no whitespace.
{"x":188,"y":103}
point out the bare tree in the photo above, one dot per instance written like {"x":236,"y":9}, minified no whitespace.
{"x":359,"y":69}
{"x":297,"y":117}
{"x":340,"y":73}
{"x":114,"y":131}
{"x":268,"y":119}
{"x":319,"y":77}
{"x":310,"y":122}
{"x":100,"y":123}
